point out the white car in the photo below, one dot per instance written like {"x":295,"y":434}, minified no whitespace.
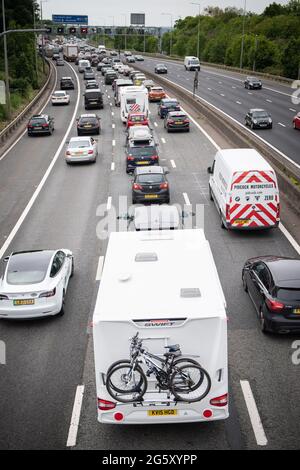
{"x":60,"y":97}
{"x":118,"y":66}
{"x":81,"y":149}
{"x":34,"y":283}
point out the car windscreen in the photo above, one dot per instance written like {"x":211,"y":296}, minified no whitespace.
{"x":142,"y":151}
{"x":194,"y":62}
{"x":150,"y":178}
{"x":79,"y":143}
{"x":27,"y":268}
{"x":289,"y":295}
{"x":260,"y":114}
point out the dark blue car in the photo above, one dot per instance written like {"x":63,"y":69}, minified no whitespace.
{"x":166,"y":105}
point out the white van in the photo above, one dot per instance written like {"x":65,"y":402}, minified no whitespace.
{"x":191,"y":63}
{"x":82,"y":64}
{"x":185,"y":306}
{"x":133,"y":99}
{"x":244,"y":187}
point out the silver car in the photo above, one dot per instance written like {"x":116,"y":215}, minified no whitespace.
{"x":81,"y":149}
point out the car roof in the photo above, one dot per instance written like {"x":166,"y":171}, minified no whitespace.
{"x":39,"y":116}
{"x":150,"y":170}
{"x":92,"y":90}
{"x":66,"y":78}
{"x":243,"y":159}
{"x":285,"y":271}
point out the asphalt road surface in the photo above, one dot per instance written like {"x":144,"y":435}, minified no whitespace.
{"x":47,"y":360}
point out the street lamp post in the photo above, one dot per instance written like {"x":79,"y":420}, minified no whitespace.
{"x":243,"y":35}
{"x":35,"y":47}
{"x":125,"y":35}
{"x":43,"y":52}
{"x":7,"y":92}
{"x":198,"y":35}
{"x":171,"y":33}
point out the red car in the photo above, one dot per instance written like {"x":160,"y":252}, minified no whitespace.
{"x":296,"y":121}
{"x":135,"y":119}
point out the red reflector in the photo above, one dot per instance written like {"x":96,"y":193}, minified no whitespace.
{"x":207,"y":413}
{"x":118,"y":416}
{"x":105,"y":404}
{"x":274,"y":305}
{"x":130,"y":158}
{"x":220,"y":401}
{"x":154,"y":157}
{"x":137,"y":186}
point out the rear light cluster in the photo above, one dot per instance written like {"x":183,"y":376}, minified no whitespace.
{"x":105,"y":405}
{"x":164,"y":185}
{"x":49,"y":293}
{"x":90,"y":152}
{"x":130,"y":158}
{"x":274,"y":305}
{"x":220,"y":401}
{"x":154,"y":157}
{"x":137,"y":186}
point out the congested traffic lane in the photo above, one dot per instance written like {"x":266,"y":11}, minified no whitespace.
{"x":252,"y":356}
{"x":23,"y":166}
{"x":227,"y":93}
{"x":45,"y":358}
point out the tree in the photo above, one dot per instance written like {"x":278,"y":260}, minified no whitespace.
{"x":275,"y":9}
{"x":291,"y":58}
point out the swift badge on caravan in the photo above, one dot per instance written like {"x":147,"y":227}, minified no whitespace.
{"x":245,"y":190}
{"x":160,"y":358}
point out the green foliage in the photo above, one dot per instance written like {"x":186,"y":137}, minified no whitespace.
{"x":271,"y":40}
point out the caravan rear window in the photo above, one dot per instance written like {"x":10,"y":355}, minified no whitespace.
{"x":131,"y":101}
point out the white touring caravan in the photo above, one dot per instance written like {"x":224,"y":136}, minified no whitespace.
{"x":244,"y":187}
{"x":133,"y":99}
{"x":160,"y":357}
{"x":120,"y":82}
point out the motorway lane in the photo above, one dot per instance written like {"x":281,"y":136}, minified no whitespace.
{"x":25,"y":164}
{"x":252,"y":356}
{"x":45,"y":358}
{"x":237,"y":101}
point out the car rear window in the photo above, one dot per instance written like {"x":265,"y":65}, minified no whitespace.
{"x":27,"y":268}
{"x":142,"y":151}
{"x":59,"y":93}
{"x":290,"y":295}
{"x":79,"y":143}
{"x":38,"y":121}
{"x":93,"y":95}
{"x":90,"y":120}
{"x":150,"y":178}
{"x":260,"y":114}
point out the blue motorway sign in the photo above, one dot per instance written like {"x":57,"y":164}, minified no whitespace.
{"x":70,"y":19}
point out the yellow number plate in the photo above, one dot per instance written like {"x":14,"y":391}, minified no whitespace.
{"x":24,"y":302}
{"x":150,"y":196}
{"x":297,"y":311}
{"x":143,"y":163}
{"x":241,"y":222}
{"x":162,"y":412}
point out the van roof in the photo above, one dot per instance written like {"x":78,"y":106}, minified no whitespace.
{"x":159,"y":274}
{"x":244,"y":160}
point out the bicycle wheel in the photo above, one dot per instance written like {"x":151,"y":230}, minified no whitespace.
{"x":186,"y":361}
{"x":114,"y":365}
{"x":125,"y":384}
{"x":190,"y":383}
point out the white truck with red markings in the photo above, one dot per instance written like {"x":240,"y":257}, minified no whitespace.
{"x":244,"y":187}
{"x":133,"y":99}
{"x":163,"y":285}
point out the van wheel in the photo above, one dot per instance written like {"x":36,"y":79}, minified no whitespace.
{"x":244,"y":284}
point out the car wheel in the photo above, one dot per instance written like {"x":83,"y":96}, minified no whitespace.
{"x":62,"y":310}
{"x":246,"y":123}
{"x":271,"y":126}
{"x":262,"y":322}
{"x":245,"y":287}
{"x":252,"y":125}
{"x":72,"y":268}
{"x":294,"y":126}
{"x":210,"y":193}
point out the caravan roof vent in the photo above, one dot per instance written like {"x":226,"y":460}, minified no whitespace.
{"x":189,"y":292}
{"x":144,"y":257}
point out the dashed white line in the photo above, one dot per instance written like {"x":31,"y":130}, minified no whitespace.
{"x":113,"y":126}
{"x":233,"y":87}
{"x":186,"y":199}
{"x":155,"y":124}
{"x":108,"y":97}
{"x":257,"y":426}
{"x":222,"y":94}
{"x":238,"y":102}
{"x":187,"y":78}
{"x":113,"y":143}
{"x":72,"y":436}
{"x":112,"y":113}
{"x":99,"y":268}
{"x":173,"y":163}
{"x":209,"y":89}
{"x":112,"y":167}
{"x":220,"y":83}
{"x":290,"y":238}
{"x":292,"y":109}
{"x":249,"y":93}
{"x":108,"y":205}
{"x":282,"y":125}
{"x":163,"y":140}
{"x":110,"y":104}
{"x":269,"y":101}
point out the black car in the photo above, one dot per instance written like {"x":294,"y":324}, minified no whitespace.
{"x":258,"y":119}
{"x":177,"y":121}
{"x":91,"y":84}
{"x":94,"y":61}
{"x":253,"y":83}
{"x":144,"y":153}
{"x":40,"y":124}
{"x":150,"y":184}
{"x":89,"y":75}
{"x":110,"y":77}
{"x":105,"y":67}
{"x":93,"y":99}
{"x":88,"y":124}
{"x":99,"y":66}
{"x":161,"y":68}
{"x":166,"y":105}
{"x":60,"y":62}
{"x":67,"y":83}
{"x":273,"y":284}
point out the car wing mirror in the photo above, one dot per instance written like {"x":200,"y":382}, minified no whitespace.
{"x":5,"y":260}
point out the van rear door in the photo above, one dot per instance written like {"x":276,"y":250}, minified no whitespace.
{"x":253,"y":200}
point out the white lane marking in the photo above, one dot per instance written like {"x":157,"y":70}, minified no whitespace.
{"x":186,"y":199}
{"x":112,"y":113}
{"x":72,"y":436}
{"x":257,"y":426}
{"x":290,"y":238}
{"x":282,"y":125}
{"x":209,"y":89}
{"x":233,"y":87}
{"x":155,"y":124}
{"x":163,"y":140}
{"x":44,"y":179}
{"x":220,"y":83}
{"x":249,"y":93}
{"x":269,"y":101}
{"x":99,"y":268}
{"x":238,"y":102}
{"x":110,"y":104}
{"x":222,"y":94}
{"x":292,"y":109}
{"x":112,"y":167}
{"x":173,"y":163}
{"x":113,"y":143}
{"x":113,"y":126}
{"x":40,"y":112}
{"x":108,"y":205}
{"x":108,"y":97}
{"x":187,"y":78}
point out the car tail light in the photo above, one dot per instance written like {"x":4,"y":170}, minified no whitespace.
{"x":3,"y":297}
{"x":90,"y":152}
{"x":154,"y":157}
{"x":49,"y":293}
{"x":29,"y":126}
{"x":227,"y":212}
{"x":105,"y":404}
{"x":137,"y":186}
{"x":45,"y":125}
{"x":164,"y":186}
{"x":68,"y":152}
{"x":186,"y":121}
{"x":222,"y":400}
{"x":130,"y":158}
{"x":274,"y":305}
{"x":170,"y":121}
